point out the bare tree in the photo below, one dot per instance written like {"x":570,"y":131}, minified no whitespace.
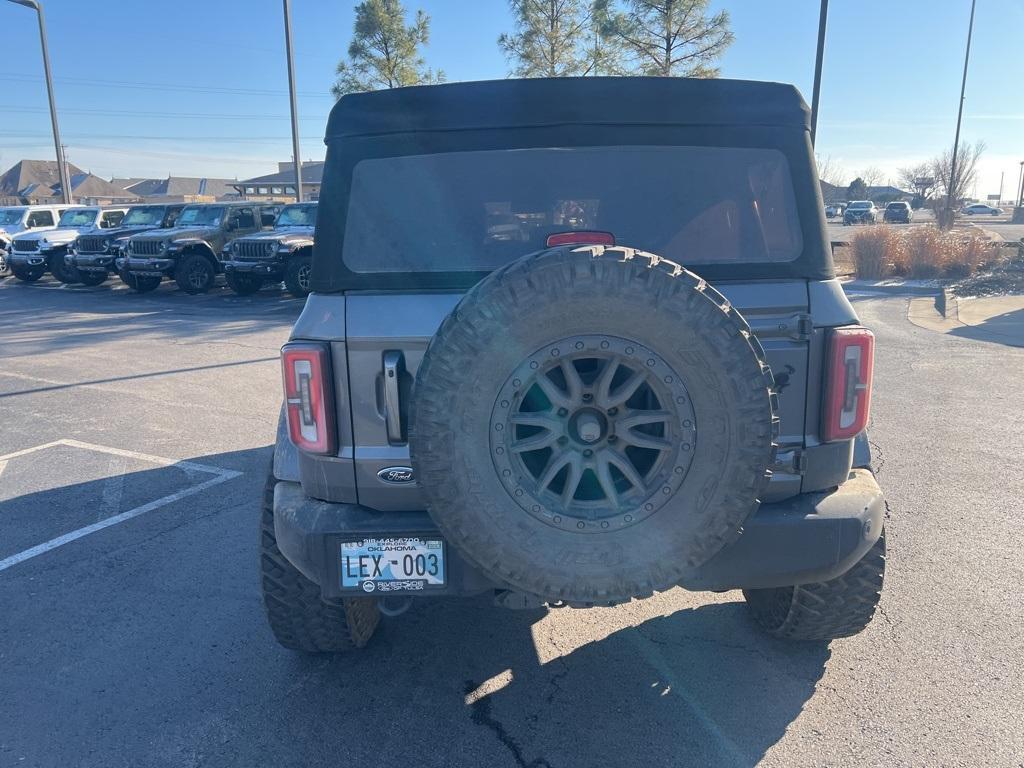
{"x":672,"y":37}
{"x":952,"y":185}
{"x":916,"y":177}
{"x":967,"y":157}
{"x":830,"y":170}
{"x":872,"y":176}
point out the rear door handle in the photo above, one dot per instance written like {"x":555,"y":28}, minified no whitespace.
{"x":394,"y":364}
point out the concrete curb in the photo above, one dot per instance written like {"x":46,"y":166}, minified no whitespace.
{"x":890,"y":287}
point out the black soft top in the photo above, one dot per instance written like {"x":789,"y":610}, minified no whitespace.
{"x":541,"y":102}
{"x":564,"y":112}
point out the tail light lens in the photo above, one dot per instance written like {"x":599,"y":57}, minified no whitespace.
{"x":309,"y":397}
{"x":580,"y":237}
{"x":851,"y":358}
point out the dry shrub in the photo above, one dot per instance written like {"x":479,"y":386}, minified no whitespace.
{"x":925,"y":253}
{"x":921,"y":253}
{"x":874,"y":251}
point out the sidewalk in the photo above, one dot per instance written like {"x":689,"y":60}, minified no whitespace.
{"x":996,"y":319}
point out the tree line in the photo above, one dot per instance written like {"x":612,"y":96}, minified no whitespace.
{"x":549,"y":38}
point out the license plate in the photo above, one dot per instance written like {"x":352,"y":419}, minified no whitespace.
{"x":405,"y":564}
{"x":147,"y":273}
{"x":92,"y":269}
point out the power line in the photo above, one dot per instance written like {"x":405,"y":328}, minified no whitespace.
{"x":88,"y":81}
{"x":138,"y":137}
{"x":164,"y":115}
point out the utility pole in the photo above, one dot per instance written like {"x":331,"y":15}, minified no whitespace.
{"x":291,"y":95}
{"x":62,"y":168}
{"x":816,"y":93}
{"x":959,"y":116}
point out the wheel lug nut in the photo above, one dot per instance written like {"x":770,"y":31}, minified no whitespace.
{"x":562,"y":412}
{"x":588,"y":397}
{"x":588,"y":453}
{"x":612,"y":438}
{"x":613,"y":411}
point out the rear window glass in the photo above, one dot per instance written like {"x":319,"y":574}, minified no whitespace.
{"x":477,"y":211}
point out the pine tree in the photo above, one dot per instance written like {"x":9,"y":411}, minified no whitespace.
{"x":672,"y":37}
{"x":384,"y":52}
{"x":546,"y":37}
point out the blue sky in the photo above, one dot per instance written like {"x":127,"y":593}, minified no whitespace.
{"x":198,"y":87}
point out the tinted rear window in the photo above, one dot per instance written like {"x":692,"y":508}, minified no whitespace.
{"x":477,"y":211}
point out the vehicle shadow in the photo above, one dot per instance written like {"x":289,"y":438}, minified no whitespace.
{"x":49,"y":317}
{"x":145,"y":644}
{"x":699,"y":686}
{"x":1006,"y":328}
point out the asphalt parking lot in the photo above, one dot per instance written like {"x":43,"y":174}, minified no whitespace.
{"x":135,"y":432}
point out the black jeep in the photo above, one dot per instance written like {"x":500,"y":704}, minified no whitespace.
{"x":572,"y":341}
{"x":94,"y":255}
{"x":187,"y":252}
{"x":285,"y":253}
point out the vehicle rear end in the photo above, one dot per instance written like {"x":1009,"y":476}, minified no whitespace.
{"x":428,"y":191}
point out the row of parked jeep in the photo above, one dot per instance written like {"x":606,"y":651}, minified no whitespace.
{"x":251,"y":244}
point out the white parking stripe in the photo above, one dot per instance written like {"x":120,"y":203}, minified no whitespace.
{"x":221,"y":475}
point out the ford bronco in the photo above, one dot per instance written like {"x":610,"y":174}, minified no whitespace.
{"x":572,"y":342}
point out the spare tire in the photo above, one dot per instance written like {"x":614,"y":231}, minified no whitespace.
{"x":590,"y":424}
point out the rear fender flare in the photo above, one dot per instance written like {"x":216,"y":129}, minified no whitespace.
{"x":286,"y":455}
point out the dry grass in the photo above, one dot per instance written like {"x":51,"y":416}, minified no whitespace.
{"x":920,"y":253}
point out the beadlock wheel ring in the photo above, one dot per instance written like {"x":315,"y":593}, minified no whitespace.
{"x":592,"y":433}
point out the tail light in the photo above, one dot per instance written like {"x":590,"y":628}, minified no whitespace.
{"x":580,"y":237}
{"x":309,"y":397}
{"x":851,"y":356}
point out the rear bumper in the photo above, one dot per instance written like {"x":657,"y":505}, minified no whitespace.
{"x":812,"y":537}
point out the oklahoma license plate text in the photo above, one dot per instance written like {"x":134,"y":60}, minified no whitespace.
{"x":392,"y":565}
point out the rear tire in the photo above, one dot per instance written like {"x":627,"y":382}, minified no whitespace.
{"x":300,"y":618}
{"x":296,"y":276}
{"x":140,"y":283}
{"x":825,"y":610}
{"x":195,"y":274}
{"x":244,"y":285}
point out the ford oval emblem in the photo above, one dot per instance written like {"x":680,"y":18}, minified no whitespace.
{"x":396,"y":475}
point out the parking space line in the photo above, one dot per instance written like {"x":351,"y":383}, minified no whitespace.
{"x":220,"y":475}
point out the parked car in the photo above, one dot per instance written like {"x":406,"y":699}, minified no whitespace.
{"x":187,"y":252}
{"x":860,"y":212}
{"x":93,"y":255}
{"x":834,"y":209}
{"x":16,"y":219}
{"x":982,"y":209}
{"x":898,"y":212}
{"x":285,"y":253}
{"x":569,"y":418}
{"x":35,"y":253}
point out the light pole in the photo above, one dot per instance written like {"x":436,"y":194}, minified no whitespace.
{"x":1020,"y":183}
{"x":62,"y":168}
{"x":819,"y":57}
{"x":291,"y":96}
{"x":951,"y":188}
